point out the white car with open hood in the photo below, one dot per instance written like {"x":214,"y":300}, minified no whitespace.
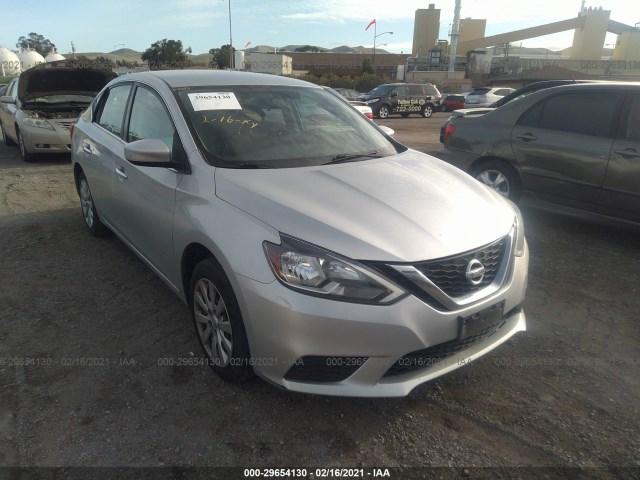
{"x":39,"y":107}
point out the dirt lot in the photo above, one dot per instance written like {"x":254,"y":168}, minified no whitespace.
{"x":87,"y":328}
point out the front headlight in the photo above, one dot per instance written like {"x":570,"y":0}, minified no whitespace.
{"x":310,"y":269}
{"x":38,"y":123}
{"x":518,"y":250}
{"x":373,"y":100}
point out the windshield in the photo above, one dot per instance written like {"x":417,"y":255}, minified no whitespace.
{"x":283,"y":126}
{"x":381,"y":90}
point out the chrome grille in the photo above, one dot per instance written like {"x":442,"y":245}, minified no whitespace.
{"x":449,"y":274}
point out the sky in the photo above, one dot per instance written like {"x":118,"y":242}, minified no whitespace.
{"x":107,"y":25}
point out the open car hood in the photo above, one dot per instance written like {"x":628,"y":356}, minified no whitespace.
{"x":65,"y":77}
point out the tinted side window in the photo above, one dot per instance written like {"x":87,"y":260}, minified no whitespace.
{"x":401,"y":91}
{"x":532,"y":117}
{"x":111,"y":115}
{"x":415,"y":90}
{"x":630,"y":127}
{"x":150,"y":120}
{"x":588,"y":113}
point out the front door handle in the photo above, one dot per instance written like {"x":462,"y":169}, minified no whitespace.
{"x":628,"y":152}
{"x":527,"y":137}
{"x":120,"y":171}
{"x":86,"y":148}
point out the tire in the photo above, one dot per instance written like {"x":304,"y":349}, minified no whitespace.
{"x":384,"y":111}
{"x":89,"y":213}
{"x":6,"y":140}
{"x":218,"y":322}
{"x":26,"y":156}
{"x":443,"y":108}
{"x":499,"y":176}
{"x":404,"y":115}
{"x":427,"y":111}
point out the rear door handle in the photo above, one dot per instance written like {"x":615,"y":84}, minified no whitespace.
{"x":628,"y":152}
{"x":87,"y":149}
{"x":120,"y":171}
{"x":527,"y":137}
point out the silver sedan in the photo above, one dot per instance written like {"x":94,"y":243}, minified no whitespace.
{"x":312,"y":248}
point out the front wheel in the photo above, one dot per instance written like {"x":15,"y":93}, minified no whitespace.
{"x":427,"y":111}
{"x":500,"y":177}
{"x":218,"y":322}
{"x":26,"y":156}
{"x":384,"y":111}
{"x":443,"y":108}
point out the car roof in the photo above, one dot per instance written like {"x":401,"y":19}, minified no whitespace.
{"x":197,"y":78}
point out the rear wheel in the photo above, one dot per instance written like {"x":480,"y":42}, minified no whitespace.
{"x":89,"y":213}
{"x":443,"y":108}
{"x":218,"y":322}
{"x":384,"y":111}
{"x":499,"y":176}
{"x":427,"y":111}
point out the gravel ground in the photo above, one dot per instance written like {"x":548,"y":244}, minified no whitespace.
{"x":87,"y":330}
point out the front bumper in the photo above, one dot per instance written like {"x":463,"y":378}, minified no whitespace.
{"x":43,"y":140}
{"x":284,"y":326}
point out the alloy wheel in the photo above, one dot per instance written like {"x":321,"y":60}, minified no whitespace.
{"x":87,"y":202}
{"x":496,"y":180}
{"x":212,"y":322}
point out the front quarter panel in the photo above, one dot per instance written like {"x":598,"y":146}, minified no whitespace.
{"x":232,"y":235}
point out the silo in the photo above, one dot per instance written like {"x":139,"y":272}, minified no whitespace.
{"x":9,"y":63}
{"x":53,"y":57}
{"x":239,"y":59}
{"x":29,"y":58}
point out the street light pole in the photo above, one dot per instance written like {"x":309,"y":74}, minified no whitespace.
{"x":230,"y":40}
{"x":374,"y":44}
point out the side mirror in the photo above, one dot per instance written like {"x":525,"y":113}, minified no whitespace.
{"x":387,"y":130}
{"x":394,"y":94}
{"x":150,"y":152}
{"x":7,"y":99}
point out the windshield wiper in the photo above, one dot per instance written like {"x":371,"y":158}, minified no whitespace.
{"x":346,"y":157}
{"x":249,"y":165}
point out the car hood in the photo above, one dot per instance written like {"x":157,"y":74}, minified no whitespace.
{"x":405,"y":208}
{"x":62,"y":78}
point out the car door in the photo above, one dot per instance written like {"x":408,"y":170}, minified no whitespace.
{"x":620,"y":195}
{"x":398,"y":99}
{"x":102,"y":144}
{"x":144,"y":196}
{"x":562,"y":145}
{"x":8,"y":110}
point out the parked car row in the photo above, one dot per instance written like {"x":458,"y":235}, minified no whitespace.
{"x":573,"y":146}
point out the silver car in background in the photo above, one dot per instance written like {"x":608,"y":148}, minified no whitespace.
{"x":312,"y":249}
{"x":38,"y":108}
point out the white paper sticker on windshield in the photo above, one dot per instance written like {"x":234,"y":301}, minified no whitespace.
{"x":214,"y":101}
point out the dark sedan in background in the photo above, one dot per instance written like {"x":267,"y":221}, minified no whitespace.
{"x":573,"y":147}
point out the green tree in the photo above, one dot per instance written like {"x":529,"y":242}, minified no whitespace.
{"x":166,"y":54}
{"x":220,"y":56}
{"x":36,"y":42}
{"x":366,"y":66}
{"x":308,"y":48}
